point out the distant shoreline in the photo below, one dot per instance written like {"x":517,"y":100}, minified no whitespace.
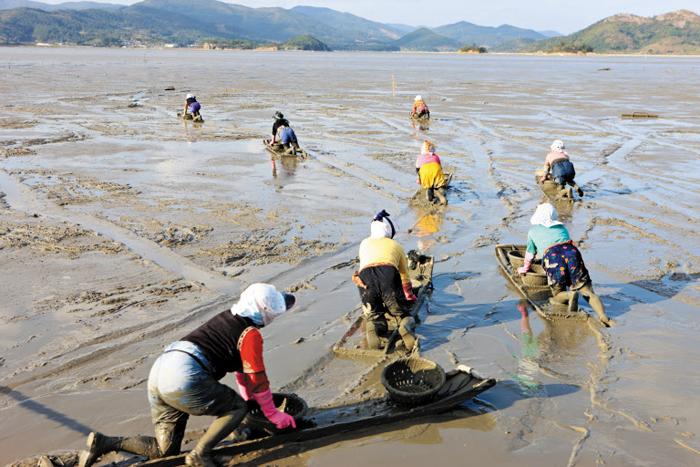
{"x":517,"y":54}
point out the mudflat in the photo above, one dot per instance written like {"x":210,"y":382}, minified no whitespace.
{"x":122,"y":228}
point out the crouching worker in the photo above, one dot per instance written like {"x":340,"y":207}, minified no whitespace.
{"x":192,"y":106}
{"x":384,"y":285}
{"x":563,"y":172}
{"x":562,"y":262}
{"x":283,"y":137}
{"x":430,"y":175}
{"x":420,"y":109}
{"x":184,"y":381}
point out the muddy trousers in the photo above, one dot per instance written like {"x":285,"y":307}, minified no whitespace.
{"x":383,"y":295}
{"x":561,"y":295}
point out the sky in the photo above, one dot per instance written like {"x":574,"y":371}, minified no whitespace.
{"x":564,"y":16}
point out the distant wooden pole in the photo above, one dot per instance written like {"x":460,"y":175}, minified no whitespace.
{"x":393,"y":86}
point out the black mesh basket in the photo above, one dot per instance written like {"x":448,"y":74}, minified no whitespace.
{"x":412,"y":381}
{"x":288,"y":403}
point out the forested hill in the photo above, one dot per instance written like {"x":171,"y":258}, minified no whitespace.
{"x":677,"y":32}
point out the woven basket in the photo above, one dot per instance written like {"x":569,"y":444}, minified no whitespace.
{"x":412,"y":381}
{"x":288,"y":403}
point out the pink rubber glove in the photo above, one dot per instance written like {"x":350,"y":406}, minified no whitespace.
{"x":408,"y":292}
{"x":280,"y":419}
{"x":527,"y":263}
{"x":244,"y":386}
{"x":543,"y":179}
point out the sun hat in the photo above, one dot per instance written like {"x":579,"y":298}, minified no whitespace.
{"x":278,"y":116}
{"x":418,"y":98}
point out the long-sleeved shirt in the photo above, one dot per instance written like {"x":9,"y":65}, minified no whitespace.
{"x":384,"y":251}
{"x":539,"y":238}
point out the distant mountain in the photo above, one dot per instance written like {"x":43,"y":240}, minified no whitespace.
{"x":350,"y":22}
{"x":425,"y":40}
{"x":671,"y":33}
{"x":403,"y":27}
{"x":10,"y":4}
{"x":550,"y":33}
{"x":468,"y":33}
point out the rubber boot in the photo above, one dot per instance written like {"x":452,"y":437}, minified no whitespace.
{"x":200,"y":456}
{"x":371,"y":335}
{"x":578,"y":190}
{"x":296,"y":147}
{"x":440,"y":193}
{"x":573,"y":301}
{"x":430,"y":194}
{"x":99,"y":444}
{"x":406,"y":328}
{"x":596,"y":304}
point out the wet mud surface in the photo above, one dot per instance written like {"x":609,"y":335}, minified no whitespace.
{"x":122,"y":228}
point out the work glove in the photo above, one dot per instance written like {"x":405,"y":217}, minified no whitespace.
{"x":522,"y":270}
{"x":408,"y":292}
{"x":244,"y":386}
{"x":543,"y":179}
{"x":280,"y":419}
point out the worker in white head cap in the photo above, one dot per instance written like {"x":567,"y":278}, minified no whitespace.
{"x":562,"y":169}
{"x":384,"y":284}
{"x":420,"y":108}
{"x":184,"y":381}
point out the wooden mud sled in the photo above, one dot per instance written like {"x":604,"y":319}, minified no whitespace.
{"x":533,"y":285}
{"x":353,"y":344}
{"x":327,"y":425}
{"x":639,"y":115}
{"x":275,"y":150}
{"x":190,"y":117}
{"x":550,"y":190}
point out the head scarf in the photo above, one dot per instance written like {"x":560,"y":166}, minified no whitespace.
{"x":190,"y":96}
{"x":418,"y":98}
{"x":545,"y":215}
{"x":558,"y":146}
{"x":382,"y":227}
{"x":262,"y":303}
{"x":428,"y":147}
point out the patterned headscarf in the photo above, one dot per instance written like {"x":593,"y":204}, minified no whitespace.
{"x":558,"y":146}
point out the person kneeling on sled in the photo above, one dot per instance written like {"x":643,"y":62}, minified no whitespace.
{"x":283,"y":136}
{"x":420,"y":109}
{"x":184,"y":381}
{"x":430,"y":175}
{"x":562,"y":169}
{"x":384,"y":284}
{"x":192,"y":106}
{"x":562,"y":261}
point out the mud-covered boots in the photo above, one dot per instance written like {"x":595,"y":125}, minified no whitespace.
{"x":371,"y":336}
{"x":200,"y":456}
{"x":578,"y":190}
{"x":573,"y":301}
{"x":440,"y":193}
{"x":99,"y":444}
{"x":406,"y":330}
{"x":430,"y":194}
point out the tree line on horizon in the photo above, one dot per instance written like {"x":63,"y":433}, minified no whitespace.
{"x":186,"y":23}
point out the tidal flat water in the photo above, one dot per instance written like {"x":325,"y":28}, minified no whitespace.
{"x":122,"y":228}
